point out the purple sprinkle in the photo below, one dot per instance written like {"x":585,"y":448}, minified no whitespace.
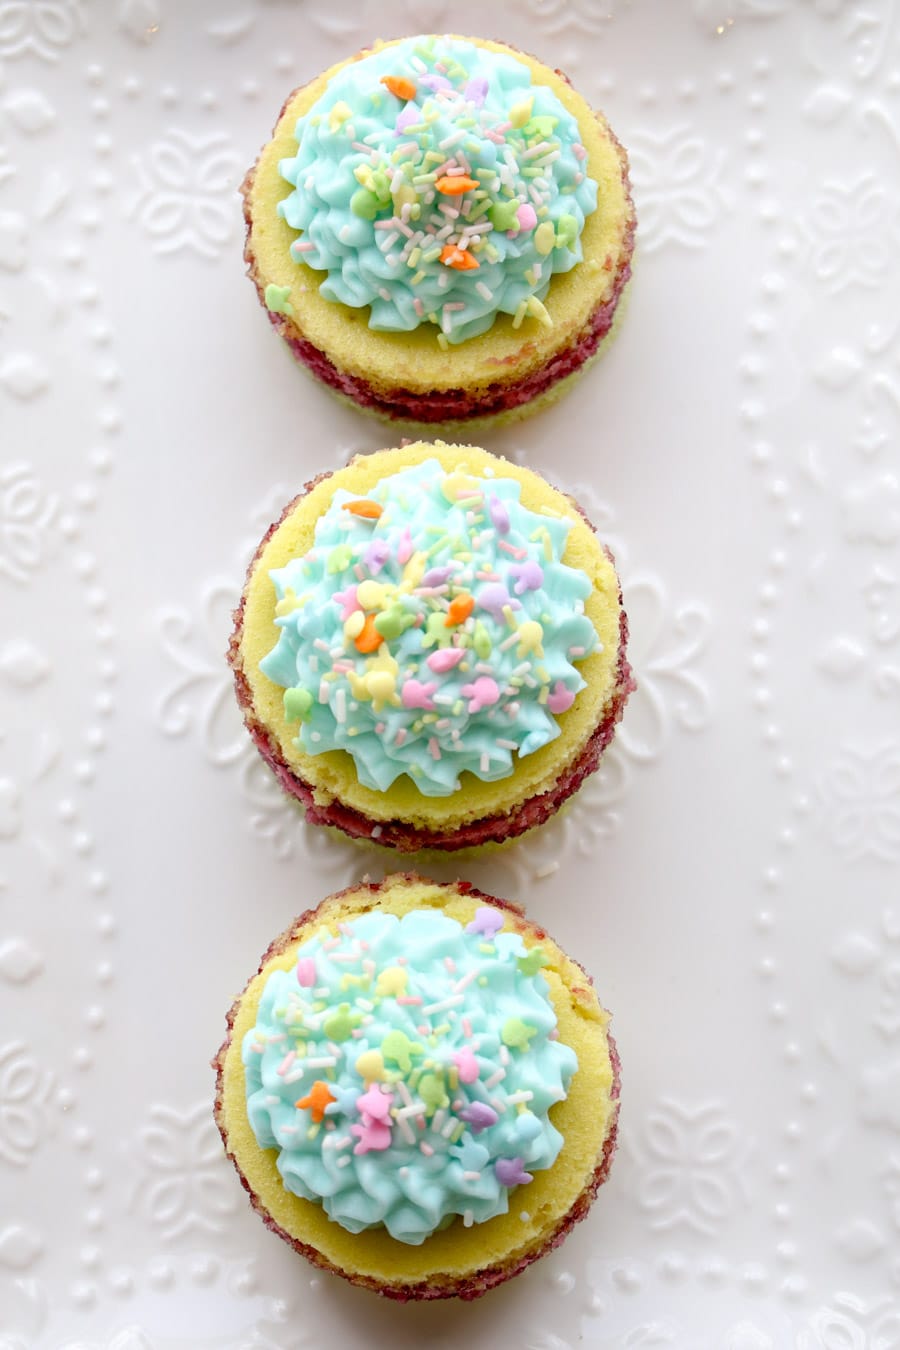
{"x":435,"y":82}
{"x":486,"y":921}
{"x":408,"y":117}
{"x":494,"y":598}
{"x":437,"y":576}
{"x":499,"y":515}
{"x":509,"y":1172}
{"x":377,"y":554}
{"x":530,"y":574}
{"x":476,"y":90}
{"x":480,"y":1117}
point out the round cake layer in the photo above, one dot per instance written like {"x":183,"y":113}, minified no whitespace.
{"x":328,"y":784}
{"x":407,"y":374}
{"x":457,"y":1260}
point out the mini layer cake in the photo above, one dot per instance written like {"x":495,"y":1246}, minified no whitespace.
{"x":441,"y":229}
{"x":430,"y":648}
{"x":418,"y":1089}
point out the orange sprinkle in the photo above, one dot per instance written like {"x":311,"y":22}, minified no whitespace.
{"x":461,"y":607}
{"x":454,"y":185}
{"x":460,"y":258}
{"x":369,"y":510}
{"x":400,"y":86}
{"x":369,"y":639}
{"x":317,"y":1099}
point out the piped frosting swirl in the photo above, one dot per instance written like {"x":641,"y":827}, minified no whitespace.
{"x":404,"y":1070}
{"x":435,"y":182}
{"x":432,"y":630}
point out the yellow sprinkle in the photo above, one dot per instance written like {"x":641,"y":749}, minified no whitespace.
{"x":391,"y":981}
{"x":371,"y":594}
{"x":544,"y":238}
{"x":289,"y":603}
{"x":539,"y":311}
{"x":354,"y":625}
{"x":520,"y":113}
{"x":339,"y":115}
{"x":370,"y":1066}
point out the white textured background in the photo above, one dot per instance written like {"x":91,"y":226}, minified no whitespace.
{"x":730,"y":878}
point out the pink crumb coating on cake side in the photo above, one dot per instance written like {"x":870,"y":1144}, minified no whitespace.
{"x":480,"y":1281}
{"x":441,"y":406}
{"x":399,"y":834}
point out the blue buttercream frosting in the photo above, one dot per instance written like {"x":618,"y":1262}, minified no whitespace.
{"x":431,"y":630}
{"x":404,"y":1069}
{"x":381,"y":157}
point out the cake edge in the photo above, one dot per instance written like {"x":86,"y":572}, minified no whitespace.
{"x":401,"y":835}
{"x":481,"y":1281}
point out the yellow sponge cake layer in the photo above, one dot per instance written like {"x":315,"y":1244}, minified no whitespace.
{"x":407,"y":374}
{"x":455,"y":1260}
{"x":330,"y":777}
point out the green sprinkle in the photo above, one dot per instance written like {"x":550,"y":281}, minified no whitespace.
{"x":534,"y":961}
{"x":339,"y":1026}
{"x":503,"y":215}
{"x":364,"y":204}
{"x":481,"y":641}
{"x":566,"y":231}
{"x":517,"y":1034}
{"x":394,"y":621}
{"x":297,"y":704}
{"x":278,"y":299}
{"x":339,"y":559}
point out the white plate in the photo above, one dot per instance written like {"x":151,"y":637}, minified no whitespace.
{"x":730,"y":878}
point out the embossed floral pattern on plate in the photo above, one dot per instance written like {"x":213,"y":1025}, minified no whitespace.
{"x":728,"y":877}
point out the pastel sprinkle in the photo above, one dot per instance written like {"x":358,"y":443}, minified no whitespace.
{"x":316,"y":1101}
{"x":467,"y":1064}
{"x":297,"y":704}
{"x":306,"y":972}
{"x":461,"y":607}
{"x":487,"y":922}
{"x":368,"y":510}
{"x":445,"y":659}
{"x":460,"y":259}
{"x":545,"y":238}
{"x":370,"y":1066}
{"x":398,"y":1048}
{"x":482,"y":693}
{"x":510,"y":1172}
{"x":526,"y":216}
{"x":520,"y":112}
{"x":369,"y":638}
{"x":455,"y":186}
{"x":415,"y":694}
{"x":517,"y":1034}
{"x":479,"y":1116}
{"x":499,"y":515}
{"x":530,"y":577}
{"x":399,"y":86}
{"x":278,"y":299}
{"x":561,"y":699}
{"x":534,"y":961}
